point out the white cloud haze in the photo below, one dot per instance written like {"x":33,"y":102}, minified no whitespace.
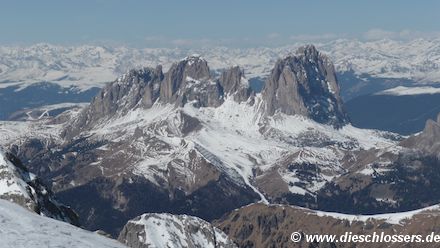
{"x":277,"y":39}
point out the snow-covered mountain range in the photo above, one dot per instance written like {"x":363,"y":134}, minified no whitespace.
{"x":87,"y":66}
{"x":182,"y":134}
{"x":201,"y":142}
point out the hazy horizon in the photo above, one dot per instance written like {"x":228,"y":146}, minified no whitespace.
{"x":187,"y":24}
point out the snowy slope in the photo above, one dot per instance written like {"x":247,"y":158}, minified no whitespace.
{"x":232,"y":138}
{"x":233,"y":132}
{"x":23,"y":229}
{"x":88,"y":66}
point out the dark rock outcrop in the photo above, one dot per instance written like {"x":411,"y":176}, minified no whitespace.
{"x":305,"y":84}
{"x":232,"y":82}
{"x":188,"y":69}
{"x":133,"y":89}
{"x":189,"y":81}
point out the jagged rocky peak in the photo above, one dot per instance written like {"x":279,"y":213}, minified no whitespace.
{"x":231,"y":79}
{"x":234,"y":83}
{"x":189,"y":81}
{"x":305,"y":83}
{"x":135,"y":88}
{"x":192,"y":68}
{"x":196,"y":67}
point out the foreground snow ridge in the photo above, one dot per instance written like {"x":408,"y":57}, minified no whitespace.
{"x":178,"y":231}
{"x":22,"y":228}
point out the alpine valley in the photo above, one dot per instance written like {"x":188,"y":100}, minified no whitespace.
{"x":196,"y":157}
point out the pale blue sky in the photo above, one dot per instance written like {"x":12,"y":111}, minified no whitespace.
{"x":226,"y":22}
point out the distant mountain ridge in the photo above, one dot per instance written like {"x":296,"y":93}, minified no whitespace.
{"x":91,"y":66}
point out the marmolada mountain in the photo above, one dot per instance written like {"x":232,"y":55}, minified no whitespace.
{"x":191,"y":157}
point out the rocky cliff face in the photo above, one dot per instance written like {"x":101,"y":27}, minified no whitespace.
{"x":183,"y":81}
{"x":428,"y":140}
{"x":234,"y":83}
{"x":136,"y":88}
{"x":305,"y":84}
{"x":20,"y":186}
{"x":166,"y":230}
